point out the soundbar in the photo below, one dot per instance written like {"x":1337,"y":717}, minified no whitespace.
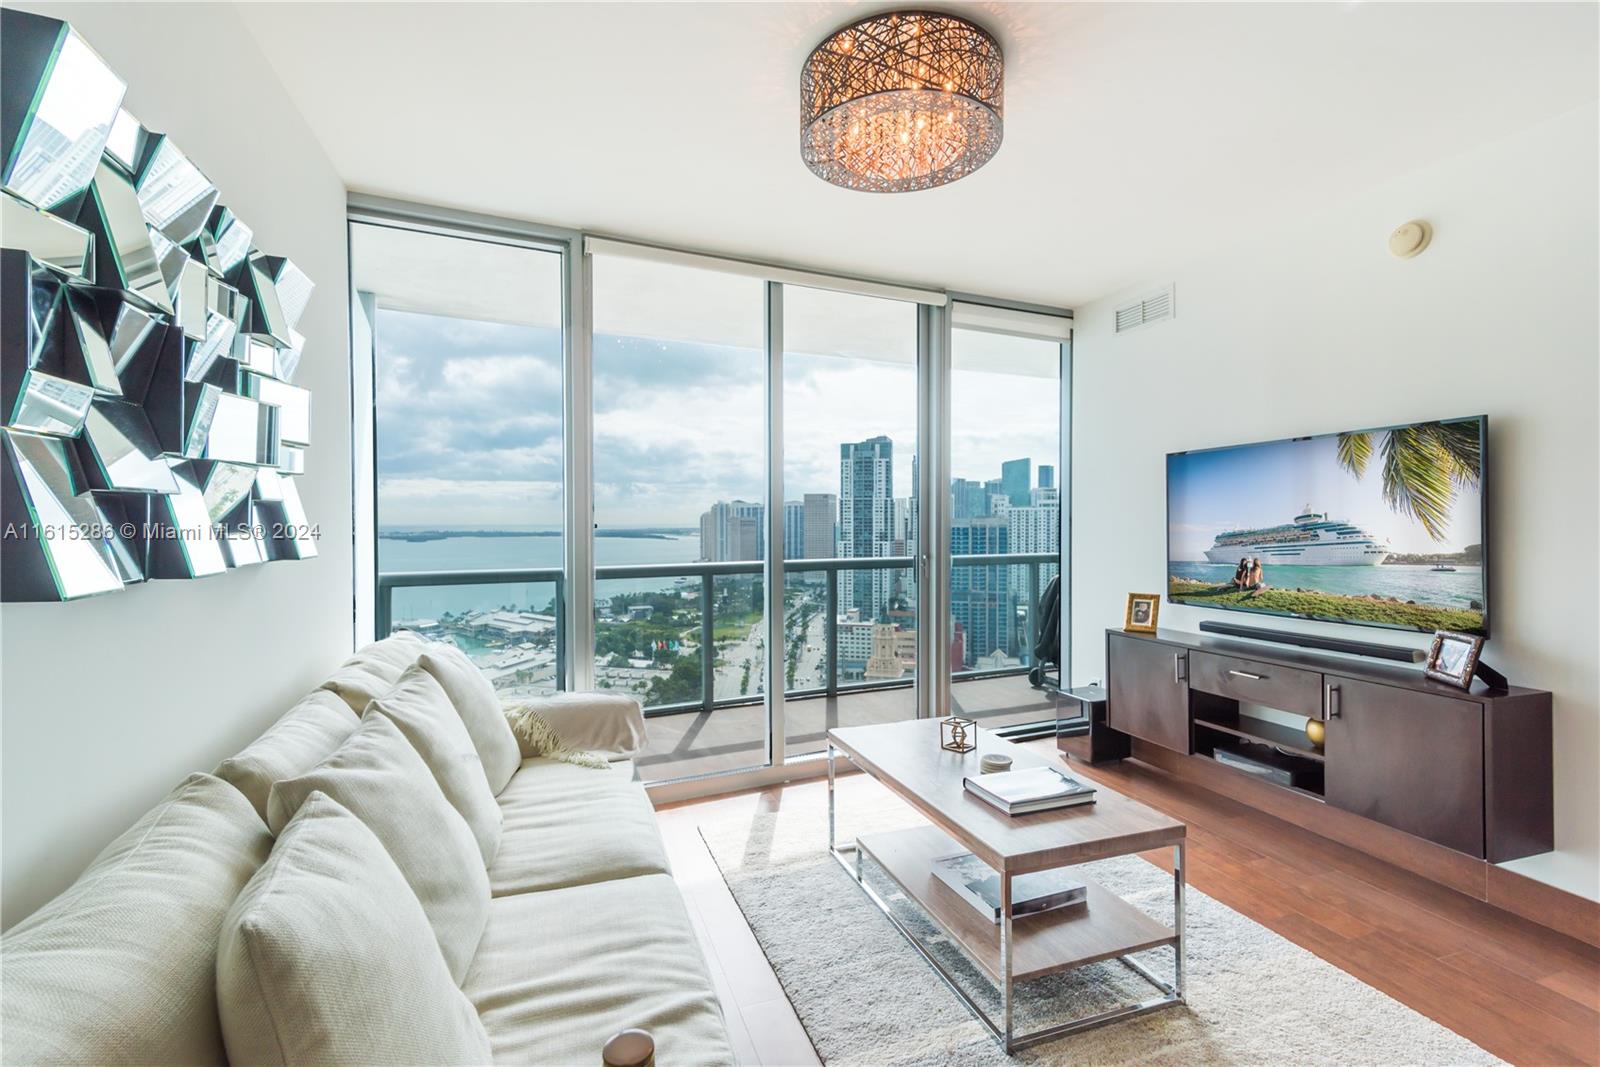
{"x":1326,"y":644}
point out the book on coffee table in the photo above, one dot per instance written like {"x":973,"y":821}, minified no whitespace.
{"x":1034,"y":789}
{"x":979,"y":885}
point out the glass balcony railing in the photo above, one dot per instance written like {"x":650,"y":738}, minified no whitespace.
{"x":690,"y":637}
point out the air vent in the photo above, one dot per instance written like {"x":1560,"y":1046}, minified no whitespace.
{"x":1153,"y":308}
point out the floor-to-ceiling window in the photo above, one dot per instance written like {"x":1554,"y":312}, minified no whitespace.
{"x":850,"y":469}
{"x":591,"y":459}
{"x":1005,"y":501}
{"x":680,"y":478}
{"x":466,"y":349}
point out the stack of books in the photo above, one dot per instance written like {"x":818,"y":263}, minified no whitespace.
{"x":979,"y":885}
{"x":1034,"y":789}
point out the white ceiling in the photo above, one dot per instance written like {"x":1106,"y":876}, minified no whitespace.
{"x":1136,"y":135}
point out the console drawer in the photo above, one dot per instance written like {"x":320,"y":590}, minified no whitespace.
{"x":1286,"y":688}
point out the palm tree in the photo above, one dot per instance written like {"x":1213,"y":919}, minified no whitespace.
{"x":1423,"y":466}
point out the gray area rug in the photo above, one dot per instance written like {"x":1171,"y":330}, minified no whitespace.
{"x":866,"y":997}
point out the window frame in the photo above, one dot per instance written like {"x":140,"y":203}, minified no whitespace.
{"x":936,"y":311}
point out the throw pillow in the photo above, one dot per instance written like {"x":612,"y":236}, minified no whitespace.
{"x":479,"y":707}
{"x":303,"y":738}
{"x":327,"y":958}
{"x":418,"y":706}
{"x":121,"y":967}
{"x":379,"y":777}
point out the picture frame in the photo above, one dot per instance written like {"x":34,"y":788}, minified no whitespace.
{"x":1453,"y":658}
{"x":1143,"y":608}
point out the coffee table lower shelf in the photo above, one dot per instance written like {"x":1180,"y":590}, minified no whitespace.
{"x":1103,"y":928}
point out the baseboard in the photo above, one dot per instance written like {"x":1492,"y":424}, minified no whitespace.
{"x":1565,"y":912}
{"x":1527,"y":898}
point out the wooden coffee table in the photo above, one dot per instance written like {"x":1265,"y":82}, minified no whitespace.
{"x":906,"y":757}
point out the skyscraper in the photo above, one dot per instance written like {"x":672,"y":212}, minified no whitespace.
{"x":866,"y":522}
{"x":967,"y":499}
{"x":729,"y":532}
{"x":981,"y":598}
{"x":757,"y":513}
{"x":794,"y":529}
{"x":1016,"y":478}
{"x":821,"y":525}
{"x":1047,"y":476}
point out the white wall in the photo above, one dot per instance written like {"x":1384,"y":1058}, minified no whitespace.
{"x":108,"y":702}
{"x":1497,"y":316}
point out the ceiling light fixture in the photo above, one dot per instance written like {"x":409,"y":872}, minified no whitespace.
{"x":901,"y":101}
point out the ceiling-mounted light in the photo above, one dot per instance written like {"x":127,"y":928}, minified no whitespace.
{"x":901,"y":101}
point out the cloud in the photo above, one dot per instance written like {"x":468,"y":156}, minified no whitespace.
{"x":470,"y":415}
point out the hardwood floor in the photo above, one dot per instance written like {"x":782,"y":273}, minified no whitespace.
{"x":1525,"y":993}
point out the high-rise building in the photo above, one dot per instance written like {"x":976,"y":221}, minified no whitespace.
{"x":992,"y":488}
{"x":729,"y":531}
{"x":905,"y":522}
{"x":794,"y":529}
{"x":967,"y":499}
{"x":757,"y":513}
{"x":1016,"y":478}
{"x":1036,"y":528}
{"x":866,"y":522}
{"x":981,"y":598}
{"x":1047,"y":476}
{"x":821,"y":538}
{"x":1046,"y":495}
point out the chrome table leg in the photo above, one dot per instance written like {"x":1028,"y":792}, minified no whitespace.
{"x":1006,"y":962}
{"x":1177,"y":919}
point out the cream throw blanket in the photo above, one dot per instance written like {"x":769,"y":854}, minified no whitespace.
{"x":537,"y":737}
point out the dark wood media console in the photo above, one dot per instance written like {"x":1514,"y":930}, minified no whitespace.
{"x":1471,"y":771}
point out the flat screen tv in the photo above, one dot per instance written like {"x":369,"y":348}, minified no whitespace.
{"x":1381,"y":527}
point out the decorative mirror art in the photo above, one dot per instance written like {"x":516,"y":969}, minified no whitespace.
{"x":148,"y":419}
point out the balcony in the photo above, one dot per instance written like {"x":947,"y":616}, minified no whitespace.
{"x":654,"y":623}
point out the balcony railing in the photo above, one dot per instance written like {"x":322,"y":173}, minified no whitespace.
{"x":1030,"y":563}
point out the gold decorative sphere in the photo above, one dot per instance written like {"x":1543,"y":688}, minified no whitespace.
{"x":1316,"y":731}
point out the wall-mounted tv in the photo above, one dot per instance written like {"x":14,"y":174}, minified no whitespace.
{"x":1381,"y":527}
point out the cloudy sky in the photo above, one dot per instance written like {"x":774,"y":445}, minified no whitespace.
{"x":469,"y":412}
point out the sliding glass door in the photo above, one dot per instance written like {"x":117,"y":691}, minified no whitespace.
{"x":851,"y":604}
{"x":679,"y":490}
{"x":1004,"y":504}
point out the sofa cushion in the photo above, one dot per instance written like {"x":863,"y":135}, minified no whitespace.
{"x":419,"y":707}
{"x":379,"y":777}
{"x":479,"y":707}
{"x":560,"y":972}
{"x":304,"y":737}
{"x":373,"y":669}
{"x":327,"y":957}
{"x":121,"y":967}
{"x":567,"y":825}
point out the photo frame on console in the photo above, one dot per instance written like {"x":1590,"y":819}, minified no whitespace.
{"x":1453,"y":658}
{"x":1143,"y":608}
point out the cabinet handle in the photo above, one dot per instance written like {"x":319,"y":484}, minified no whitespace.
{"x":1247,"y":674}
{"x":1334,"y":708}
{"x":1179,"y":675}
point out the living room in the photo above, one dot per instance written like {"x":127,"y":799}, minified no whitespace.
{"x":513,"y":508}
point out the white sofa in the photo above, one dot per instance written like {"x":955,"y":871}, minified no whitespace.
{"x":585,"y":933}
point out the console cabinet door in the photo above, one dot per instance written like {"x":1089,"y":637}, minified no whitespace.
{"x":1148,"y":695}
{"x":1410,"y":760}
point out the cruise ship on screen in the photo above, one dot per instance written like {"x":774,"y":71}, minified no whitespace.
{"x":1311,"y":540}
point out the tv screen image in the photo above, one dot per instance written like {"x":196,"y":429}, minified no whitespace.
{"x":1374,"y":527}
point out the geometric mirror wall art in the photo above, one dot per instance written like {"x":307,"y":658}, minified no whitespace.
{"x":149,"y":422}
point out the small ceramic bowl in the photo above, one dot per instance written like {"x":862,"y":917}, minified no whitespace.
{"x":993,"y":763}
